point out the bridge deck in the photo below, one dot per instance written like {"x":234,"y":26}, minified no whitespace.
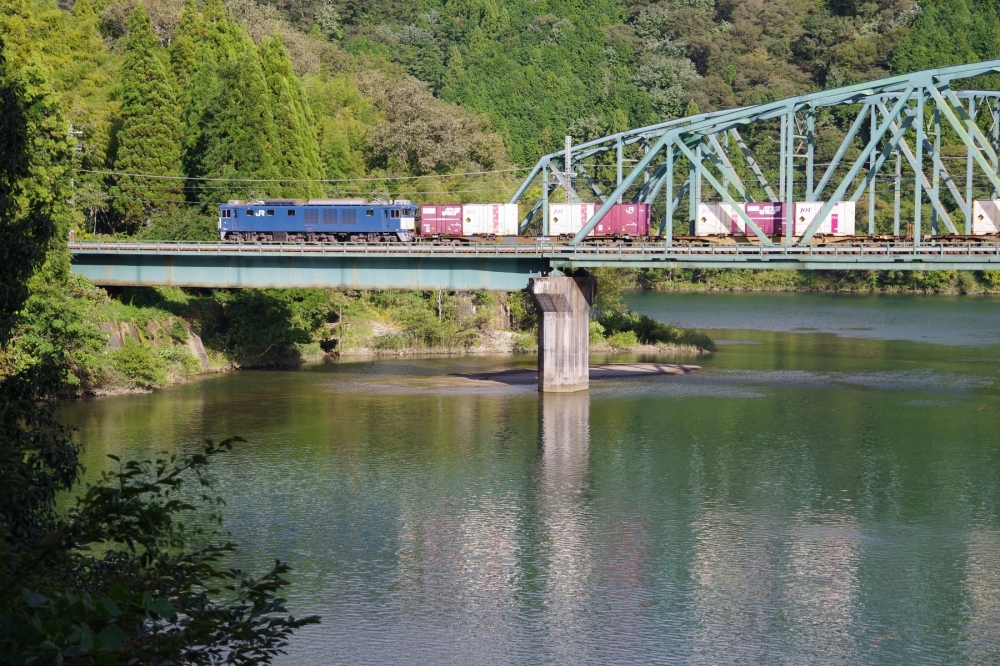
{"x":487,"y":266}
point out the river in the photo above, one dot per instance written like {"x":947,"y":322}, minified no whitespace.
{"x":825,"y":491}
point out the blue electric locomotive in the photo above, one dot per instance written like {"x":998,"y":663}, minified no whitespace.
{"x":317,"y":220}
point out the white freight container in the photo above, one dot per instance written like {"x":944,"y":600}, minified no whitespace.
{"x":566,"y":219}
{"x":489,"y":219}
{"x":708,"y":222}
{"x":839,"y":222}
{"x":985,"y":217}
{"x":718,"y":219}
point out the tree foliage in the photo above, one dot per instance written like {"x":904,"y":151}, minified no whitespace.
{"x":149,"y":138}
{"x":120,"y":576}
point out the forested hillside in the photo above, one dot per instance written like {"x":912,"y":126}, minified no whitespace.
{"x":541,"y":69}
{"x":215,"y":93}
{"x":345,"y":97}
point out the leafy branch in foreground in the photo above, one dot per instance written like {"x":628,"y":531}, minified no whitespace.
{"x":128,"y":574}
{"x":121,"y":579}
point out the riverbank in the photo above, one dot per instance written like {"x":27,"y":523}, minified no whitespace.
{"x":135,"y":340}
{"x":139,"y":339}
{"x":869,"y":282}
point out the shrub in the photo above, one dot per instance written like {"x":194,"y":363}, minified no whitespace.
{"x":392,"y":342}
{"x":525,"y":343}
{"x":596,"y":332}
{"x":178,"y":332}
{"x":690,"y":336}
{"x":140,"y":364}
{"x":933,"y":280}
{"x":623,"y":340}
{"x":992,"y":279}
{"x":521,"y":309}
{"x":182,"y":357}
{"x":651,"y":332}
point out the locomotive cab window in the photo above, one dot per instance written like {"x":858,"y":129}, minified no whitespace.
{"x":395,"y":213}
{"x":291,"y":212}
{"x":369,"y":212}
{"x":225,"y":213}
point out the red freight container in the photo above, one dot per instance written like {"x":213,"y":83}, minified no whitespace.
{"x":441,"y":220}
{"x":625,"y":219}
{"x":768,"y":216}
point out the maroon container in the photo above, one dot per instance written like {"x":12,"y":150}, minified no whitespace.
{"x":441,"y":220}
{"x":625,"y":219}
{"x":768,"y":216}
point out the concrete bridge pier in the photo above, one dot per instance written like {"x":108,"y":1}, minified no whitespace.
{"x":563,"y":331}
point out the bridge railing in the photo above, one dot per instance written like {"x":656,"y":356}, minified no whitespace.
{"x":548,"y":250}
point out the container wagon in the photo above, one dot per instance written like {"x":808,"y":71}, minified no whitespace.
{"x":622,"y":221}
{"x":317,"y":220}
{"x":721,"y":219}
{"x":469,"y":221}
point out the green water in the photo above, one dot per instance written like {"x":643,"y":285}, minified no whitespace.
{"x":825,"y":491}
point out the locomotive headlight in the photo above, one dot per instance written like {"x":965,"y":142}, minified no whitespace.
{"x":407,"y":223}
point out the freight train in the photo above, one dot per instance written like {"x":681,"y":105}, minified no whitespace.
{"x":358,"y":220}
{"x":402,"y":221}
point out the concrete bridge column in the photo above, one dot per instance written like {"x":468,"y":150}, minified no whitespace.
{"x":563,"y":332}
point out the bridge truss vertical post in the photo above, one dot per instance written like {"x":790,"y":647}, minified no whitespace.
{"x":690,"y":195}
{"x":545,"y":200}
{"x":968,"y":175}
{"x":936,"y":180}
{"x":783,"y":146}
{"x":698,"y":171}
{"x":995,"y":112}
{"x":897,"y":195}
{"x":919,"y":159}
{"x":871,"y":186}
{"x":810,"y":152}
{"x":620,"y":155}
{"x":789,"y":159}
{"x":669,"y":217}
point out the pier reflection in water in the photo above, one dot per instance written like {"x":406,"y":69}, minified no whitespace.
{"x":562,"y":512}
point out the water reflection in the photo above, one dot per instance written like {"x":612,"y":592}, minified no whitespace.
{"x":982,"y":589}
{"x":564,"y":424}
{"x":798,"y":501}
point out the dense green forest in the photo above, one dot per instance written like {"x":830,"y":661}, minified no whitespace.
{"x":540,"y":70}
{"x":282,"y":95}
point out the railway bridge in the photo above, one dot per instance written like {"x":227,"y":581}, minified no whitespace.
{"x":772,"y":152}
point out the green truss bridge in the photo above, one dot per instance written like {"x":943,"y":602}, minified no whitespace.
{"x":876,"y":144}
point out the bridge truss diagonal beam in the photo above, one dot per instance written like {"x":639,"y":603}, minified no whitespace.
{"x":699,"y":149}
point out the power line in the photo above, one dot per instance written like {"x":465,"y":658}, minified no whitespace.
{"x":223,"y":203}
{"x":301,"y":180}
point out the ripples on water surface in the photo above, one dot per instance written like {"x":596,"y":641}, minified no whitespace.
{"x":809,"y":498}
